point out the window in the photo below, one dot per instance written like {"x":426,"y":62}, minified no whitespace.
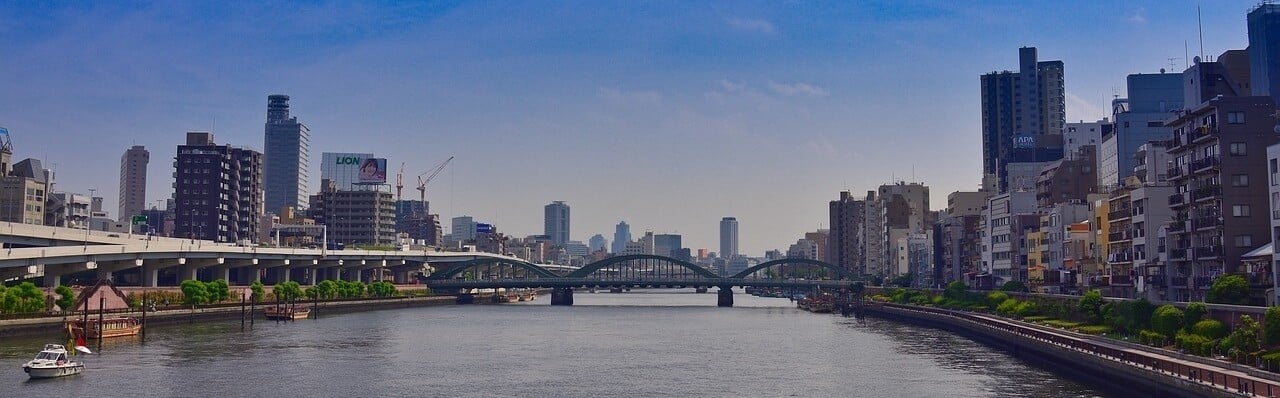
{"x":1244,"y":240}
{"x":1239,"y":180}
{"x":1236,"y":149}
{"x":1240,"y":211}
{"x":1235,"y":117}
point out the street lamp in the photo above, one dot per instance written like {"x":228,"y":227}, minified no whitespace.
{"x":89,"y":227}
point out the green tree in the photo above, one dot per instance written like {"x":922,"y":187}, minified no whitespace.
{"x":382,"y":289}
{"x":1271,"y":327}
{"x":1167,"y":320}
{"x":258,"y":291}
{"x":994,"y":299}
{"x":1013,"y":286}
{"x":287,"y":291}
{"x":903,"y":280}
{"x":327,"y":289}
{"x":25,"y":297}
{"x":1229,"y":289}
{"x":66,"y":297}
{"x":1194,"y":313}
{"x":1091,"y":306}
{"x":194,"y":292}
{"x":956,"y":291}
{"x":219,"y":291}
{"x":1244,"y":339}
{"x":1210,"y":329}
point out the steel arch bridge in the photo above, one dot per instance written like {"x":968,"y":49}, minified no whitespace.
{"x":641,"y":270}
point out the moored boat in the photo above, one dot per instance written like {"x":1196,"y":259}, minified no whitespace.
{"x":286,"y":313}
{"x":110,"y":327}
{"x":52,"y":361}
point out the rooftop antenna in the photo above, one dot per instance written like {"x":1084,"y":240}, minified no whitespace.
{"x":1200,"y":29}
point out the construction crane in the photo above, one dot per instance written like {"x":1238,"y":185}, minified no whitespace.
{"x":399,"y":181}
{"x":422,"y":183}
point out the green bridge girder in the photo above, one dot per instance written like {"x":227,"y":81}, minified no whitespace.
{"x":587,"y":270}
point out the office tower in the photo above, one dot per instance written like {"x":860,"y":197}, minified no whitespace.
{"x":1139,"y":119}
{"x":217,"y":190}
{"x":1264,"y":49}
{"x":556,"y":222}
{"x":844,"y":246}
{"x":728,"y":237}
{"x":133,"y":182}
{"x":597,"y":243}
{"x":286,"y":156}
{"x":667,"y":245}
{"x":621,"y":236}
{"x":1023,"y":115}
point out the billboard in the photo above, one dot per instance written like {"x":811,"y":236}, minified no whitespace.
{"x":343,"y":168}
{"x":482,"y":228}
{"x":373,"y":171}
{"x":1023,"y":141}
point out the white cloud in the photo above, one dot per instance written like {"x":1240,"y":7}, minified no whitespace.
{"x":751,"y":25}
{"x":1081,"y":109}
{"x":1139,"y":16}
{"x":731,"y":86}
{"x":796,"y":89}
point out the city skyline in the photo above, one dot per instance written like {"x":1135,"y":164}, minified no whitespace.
{"x":715,"y":88}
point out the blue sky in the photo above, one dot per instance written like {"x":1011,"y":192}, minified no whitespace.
{"x":669,"y":115}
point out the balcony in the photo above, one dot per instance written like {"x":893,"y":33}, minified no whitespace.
{"x":1260,"y":279}
{"x":1118,"y":236}
{"x":1202,"y":282}
{"x":1121,"y":257}
{"x":1158,"y":281}
{"x":1206,"y":192}
{"x":1203,"y":163}
{"x":1275,"y":214}
{"x":1178,"y":254}
{"x":1119,"y":279}
{"x":1178,"y":281}
{"x":1208,"y":222}
{"x":1200,"y":132}
{"x":1175,"y":171}
{"x":1177,"y":199}
{"x":1211,"y":251}
{"x":1119,"y":214}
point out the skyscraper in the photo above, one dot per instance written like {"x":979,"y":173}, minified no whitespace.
{"x":1264,"y":50}
{"x":848,"y":220}
{"x":285,"y":154}
{"x":621,"y":236}
{"x":728,"y":237}
{"x":597,"y":243}
{"x":556,"y":222}
{"x":1023,"y":114}
{"x":133,"y":182}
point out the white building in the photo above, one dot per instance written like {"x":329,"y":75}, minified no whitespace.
{"x":998,"y":236}
{"x":1076,"y":135}
{"x":1273,"y":184}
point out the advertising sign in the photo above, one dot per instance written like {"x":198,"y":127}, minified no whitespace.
{"x":373,"y":171}
{"x":482,"y":228}
{"x":1024,"y":142}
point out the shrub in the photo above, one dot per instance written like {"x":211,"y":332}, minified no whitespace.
{"x":956,"y":291}
{"x":1151,"y":338}
{"x":1194,"y":343}
{"x":258,"y":291}
{"x":1194,"y":313}
{"x":1210,"y":329}
{"x":1167,"y":320}
{"x":994,"y":299}
{"x":1057,"y":323}
{"x":1229,"y":289}
{"x":1013,"y":286}
{"x":219,"y":291}
{"x":1007,"y":307}
{"x":936,"y":300}
{"x":1037,"y":318}
{"x":1245,"y":337}
{"x":1271,"y":361}
{"x":1271,"y":327}
{"x":1091,"y":307}
{"x":1094,"y":329}
{"x":1025,"y":309}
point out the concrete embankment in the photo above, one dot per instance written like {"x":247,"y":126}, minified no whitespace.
{"x":55,"y":325}
{"x":1118,"y":373}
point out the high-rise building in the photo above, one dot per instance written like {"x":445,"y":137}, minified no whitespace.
{"x":667,"y":245}
{"x":621,"y":236}
{"x":1139,"y":119}
{"x":904,"y":211}
{"x":355,"y":217}
{"x":286,"y":151}
{"x":728,"y":237}
{"x":597,"y":243}
{"x":1264,"y":49}
{"x":555,"y":223}
{"x":819,"y":239}
{"x":217,"y":190}
{"x":413,"y":218}
{"x":462,"y":229}
{"x":847,"y":217}
{"x":1023,"y":114}
{"x":133,"y":182}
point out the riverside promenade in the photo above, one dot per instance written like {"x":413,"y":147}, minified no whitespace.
{"x":1143,"y":370}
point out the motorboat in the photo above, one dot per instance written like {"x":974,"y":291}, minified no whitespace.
{"x":52,"y":361}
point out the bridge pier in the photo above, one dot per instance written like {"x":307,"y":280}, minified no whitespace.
{"x":562,"y":296}
{"x":465,"y":298}
{"x":724,"y":298}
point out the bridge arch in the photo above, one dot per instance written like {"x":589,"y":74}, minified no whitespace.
{"x":459,"y":267}
{"x":598,"y":265}
{"x":844,"y":274}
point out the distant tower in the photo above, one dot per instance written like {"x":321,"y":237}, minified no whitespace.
{"x":133,"y":182}
{"x":556,"y":222}
{"x":728,"y":237}
{"x":621,"y":236}
{"x":285,"y":153}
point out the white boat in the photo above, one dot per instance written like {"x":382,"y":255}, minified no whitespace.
{"x":52,"y":361}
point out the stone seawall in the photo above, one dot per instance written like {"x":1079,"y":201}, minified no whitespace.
{"x":1112,"y":374}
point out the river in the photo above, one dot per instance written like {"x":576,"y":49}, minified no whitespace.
{"x":657,"y":343}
